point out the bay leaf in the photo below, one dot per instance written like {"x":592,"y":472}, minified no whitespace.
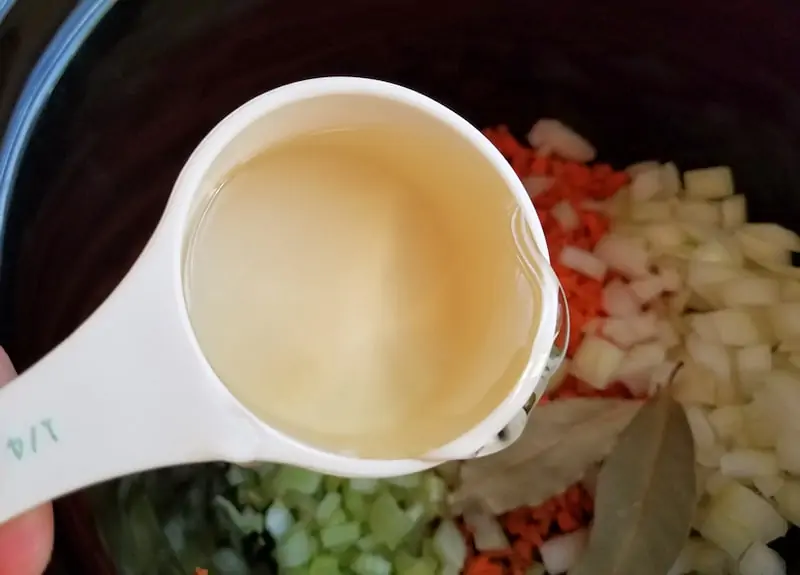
{"x":646,"y":495}
{"x":561,"y":441}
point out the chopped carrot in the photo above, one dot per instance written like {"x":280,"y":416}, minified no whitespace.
{"x":578,"y":184}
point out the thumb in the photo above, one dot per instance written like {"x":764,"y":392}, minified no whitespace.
{"x":26,"y":541}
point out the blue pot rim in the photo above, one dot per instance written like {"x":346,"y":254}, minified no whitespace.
{"x":37,"y":89}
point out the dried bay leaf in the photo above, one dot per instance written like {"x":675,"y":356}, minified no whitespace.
{"x":562,"y":440}
{"x":646,"y":496}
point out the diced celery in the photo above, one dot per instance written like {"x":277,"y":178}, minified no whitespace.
{"x":406,"y":481}
{"x":265,"y":469}
{"x":235,"y":475}
{"x":296,"y":479}
{"x":387,"y":522}
{"x":246,"y":521}
{"x":278,"y":520}
{"x":435,"y":488}
{"x":324,"y":565}
{"x":367,"y":543}
{"x":228,"y":562}
{"x":425,"y":566}
{"x":363,"y":484}
{"x":403,"y":561}
{"x":337,"y":517}
{"x":345,"y":534}
{"x":252,"y":496}
{"x":327,"y":506}
{"x":295,"y":550}
{"x":415,"y":512}
{"x":449,"y":544}
{"x":371,"y":564}
{"x":304,"y":505}
{"x":356,"y":505}
{"x":332,"y":483}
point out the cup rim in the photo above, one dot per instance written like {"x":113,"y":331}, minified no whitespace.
{"x":180,"y":212}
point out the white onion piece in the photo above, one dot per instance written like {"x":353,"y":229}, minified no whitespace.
{"x":670,"y":279}
{"x":766,"y":245}
{"x":787,"y":449}
{"x":647,"y":288}
{"x":566,"y":216}
{"x":768,"y":485}
{"x":652,"y":211}
{"x":790,"y":290}
{"x":487,"y":532}
{"x":761,"y":560}
{"x":560,"y":553}
{"x":750,"y":291}
{"x":716,"y":482}
{"x":752,"y":364}
{"x":785,"y":319}
{"x":702,"y":431}
{"x":727,"y":421}
{"x":733,"y":211}
{"x":629,"y":331}
{"x":744,"y":506}
{"x":748,"y":463}
{"x":760,"y":423}
{"x":596,"y":361}
{"x":619,"y":300}
{"x":772,"y":234}
{"x":641,"y":360}
{"x":708,"y":183}
{"x":593,"y":326}
{"x":536,"y":185}
{"x":641,"y":167}
{"x":694,"y":385}
{"x":646,"y":184}
{"x":706,"y":214}
{"x":712,"y":356}
{"x":667,"y":334}
{"x":563,"y":141}
{"x":720,"y":251}
{"x":788,"y":500}
{"x":664,"y":236}
{"x":625,"y":255}
{"x":583,"y":262}
{"x":670,"y":180}
{"x":735,"y":327}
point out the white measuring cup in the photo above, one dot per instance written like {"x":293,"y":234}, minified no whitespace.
{"x":130,"y":389}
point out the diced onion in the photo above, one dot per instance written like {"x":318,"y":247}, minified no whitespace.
{"x":647,"y":288}
{"x":560,"y":553}
{"x":708,"y":183}
{"x":734,"y":211}
{"x":698,"y":212}
{"x":652,"y":211}
{"x":641,"y":167}
{"x":596,"y":361}
{"x":536,"y":185}
{"x":487,"y":533}
{"x":727,"y":421}
{"x":768,"y":485}
{"x":623,"y":254}
{"x":565,"y":142}
{"x":712,"y":356}
{"x":629,"y":331}
{"x":670,"y":180}
{"x":583,"y":262}
{"x":748,"y":463}
{"x":566,"y":216}
{"x":785,"y":319}
{"x":702,"y":431}
{"x":646,"y":185}
{"x":619,"y":300}
{"x":788,"y":500}
{"x":450,"y":545}
{"x":641,"y":360}
{"x":751,"y":291}
{"x":761,"y":560}
{"x":787,"y":449}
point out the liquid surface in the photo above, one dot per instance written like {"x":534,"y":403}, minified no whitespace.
{"x":360,"y":290}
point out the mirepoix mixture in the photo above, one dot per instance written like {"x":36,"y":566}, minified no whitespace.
{"x":667,"y":442}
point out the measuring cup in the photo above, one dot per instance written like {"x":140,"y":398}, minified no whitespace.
{"x":130,"y":389}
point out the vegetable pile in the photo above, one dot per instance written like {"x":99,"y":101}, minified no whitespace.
{"x":664,"y":444}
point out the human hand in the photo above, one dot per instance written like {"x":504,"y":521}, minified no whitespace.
{"x":26,"y":541}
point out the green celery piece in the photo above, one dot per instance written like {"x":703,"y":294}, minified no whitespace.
{"x":330,"y":503}
{"x":295,"y":550}
{"x":355,"y":503}
{"x":295,"y":479}
{"x":415,"y":512}
{"x":304,"y":506}
{"x":403,"y":561}
{"x":410,"y":481}
{"x":252,"y":496}
{"x":337,"y":517}
{"x":343,"y":535}
{"x":363,"y":484}
{"x":367,"y":543}
{"x":387,"y":522}
{"x":333,"y":483}
{"x":371,"y":564}
{"x":324,"y":565}
{"x":228,"y":562}
{"x":435,"y":489}
{"x":278,"y":520}
{"x":424,"y":566}
{"x":235,"y":475}
{"x":246,"y":521}
{"x":266,"y":468}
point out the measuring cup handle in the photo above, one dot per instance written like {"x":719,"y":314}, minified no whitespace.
{"x":94,"y":408}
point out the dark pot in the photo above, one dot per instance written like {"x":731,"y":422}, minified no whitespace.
{"x":124,"y":93}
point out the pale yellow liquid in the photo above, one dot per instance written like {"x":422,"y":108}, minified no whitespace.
{"x":361,"y":291}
